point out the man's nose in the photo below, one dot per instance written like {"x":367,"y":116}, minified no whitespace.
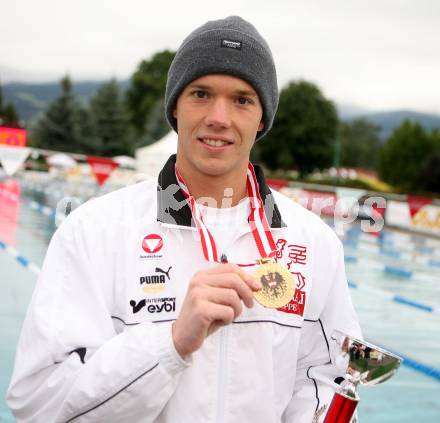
{"x":218,"y":114}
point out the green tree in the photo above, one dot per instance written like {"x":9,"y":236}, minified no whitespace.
{"x":428,"y":176}
{"x":62,"y":125}
{"x":1,"y":100}
{"x":145,"y":96}
{"x":88,"y":142}
{"x":156,"y":126}
{"x":304,"y":131}
{"x":8,"y":114}
{"x":360,"y":144}
{"x":408,"y":147}
{"x":110,"y":122}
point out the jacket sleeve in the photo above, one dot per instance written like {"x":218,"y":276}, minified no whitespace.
{"x":318,"y":374}
{"x":71,"y":364}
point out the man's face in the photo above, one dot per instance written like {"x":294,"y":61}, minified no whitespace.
{"x":218,"y":117}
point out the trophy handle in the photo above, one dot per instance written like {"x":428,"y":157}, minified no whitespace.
{"x":341,"y":409}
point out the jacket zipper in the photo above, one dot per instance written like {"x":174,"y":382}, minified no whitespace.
{"x":222,"y":366}
{"x":222,"y":373}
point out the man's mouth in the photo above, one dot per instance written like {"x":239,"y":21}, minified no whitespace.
{"x":214,"y":142}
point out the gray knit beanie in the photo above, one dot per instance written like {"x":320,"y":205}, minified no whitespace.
{"x":229,"y":46}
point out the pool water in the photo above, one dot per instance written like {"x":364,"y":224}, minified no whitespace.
{"x":410,"y":331}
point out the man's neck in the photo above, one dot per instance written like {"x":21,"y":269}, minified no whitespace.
{"x":219,"y":195}
{"x":216,"y":191}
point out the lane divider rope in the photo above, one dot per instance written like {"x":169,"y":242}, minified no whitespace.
{"x":391,"y":270}
{"x":385,"y":247}
{"x":23,"y":261}
{"x":416,"y":365}
{"x":399,"y":299}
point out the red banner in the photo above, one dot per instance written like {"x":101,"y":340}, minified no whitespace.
{"x":277,"y":184}
{"x":12,"y":136}
{"x":101,"y":167}
{"x":9,"y":210}
{"x":416,"y":203}
{"x":321,"y":203}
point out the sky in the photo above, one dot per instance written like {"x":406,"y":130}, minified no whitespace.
{"x":376,"y":55}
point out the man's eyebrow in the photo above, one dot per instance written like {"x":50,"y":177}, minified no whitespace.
{"x":250,"y":93}
{"x":198,"y":87}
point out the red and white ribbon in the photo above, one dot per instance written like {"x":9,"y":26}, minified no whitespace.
{"x":257,"y":219}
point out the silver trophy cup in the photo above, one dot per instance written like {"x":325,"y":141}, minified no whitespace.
{"x":363,"y":363}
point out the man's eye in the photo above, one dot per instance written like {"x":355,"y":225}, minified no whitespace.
{"x":243,"y":100}
{"x":199,"y":94}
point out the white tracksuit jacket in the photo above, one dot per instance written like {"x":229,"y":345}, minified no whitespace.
{"x":96,"y":344}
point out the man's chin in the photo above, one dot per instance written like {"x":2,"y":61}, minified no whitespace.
{"x":214,"y":169}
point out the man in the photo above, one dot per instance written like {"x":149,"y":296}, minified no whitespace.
{"x":145,"y":308}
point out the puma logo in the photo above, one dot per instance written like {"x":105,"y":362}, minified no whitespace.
{"x":159,"y":270}
{"x":82,"y":351}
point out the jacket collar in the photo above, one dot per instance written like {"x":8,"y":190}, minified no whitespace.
{"x":173,"y":209}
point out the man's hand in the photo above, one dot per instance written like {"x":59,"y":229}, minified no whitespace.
{"x":214,"y":299}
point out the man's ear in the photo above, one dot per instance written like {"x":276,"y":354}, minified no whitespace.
{"x":260,"y":126}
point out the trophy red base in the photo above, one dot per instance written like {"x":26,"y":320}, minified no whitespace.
{"x":341,"y":409}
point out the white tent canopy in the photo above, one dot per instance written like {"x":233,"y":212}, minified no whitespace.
{"x":125,"y":161}
{"x":61,"y":160}
{"x":151,"y":159}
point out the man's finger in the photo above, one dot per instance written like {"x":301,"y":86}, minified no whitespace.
{"x":219,"y":313}
{"x":232,"y":281}
{"x":225,"y":296}
{"x":233,"y":268}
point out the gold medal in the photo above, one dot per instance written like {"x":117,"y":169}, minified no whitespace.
{"x":277,"y":282}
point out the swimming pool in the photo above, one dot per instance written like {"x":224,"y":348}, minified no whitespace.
{"x":395,"y":288}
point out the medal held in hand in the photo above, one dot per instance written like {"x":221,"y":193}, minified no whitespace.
{"x":277,"y":282}
{"x":278,"y":285}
